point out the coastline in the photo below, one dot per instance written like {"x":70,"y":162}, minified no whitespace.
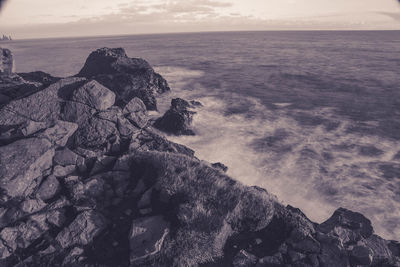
{"x":97,"y":148}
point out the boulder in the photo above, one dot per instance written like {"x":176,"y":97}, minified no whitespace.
{"x":177,"y":119}
{"x":49,"y":188}
{"x":127,"y":77}
{"x":146,"y":238}
{"x":135,"y":111}
{"x":23,"y":162}
{"x":94,"y":95}
{"x":349,"y":226}
{"x":86,"y":226}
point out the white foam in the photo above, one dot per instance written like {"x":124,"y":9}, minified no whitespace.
{"x":306,"y":168}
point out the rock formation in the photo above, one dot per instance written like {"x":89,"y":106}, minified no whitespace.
{"x":178,"y":119}
{"x":86,"y":181}
{"x":126,"y":77}
{"x":6,"y":61}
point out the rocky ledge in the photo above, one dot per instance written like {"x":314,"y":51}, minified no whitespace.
{"x":85,"y":180}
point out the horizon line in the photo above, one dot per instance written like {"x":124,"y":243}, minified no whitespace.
{"x":202,"y":32}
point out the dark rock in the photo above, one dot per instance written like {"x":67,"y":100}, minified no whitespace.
{"x":146,"y":238}
{"x":361,"y":255}
{"x":177,"y":119}
{"x":39,"y":77}
{"x":348,"y":225}
{"x":244,"y":259}
{"x":195,"y":103}
{"x":86,"y":226}
{"x":127,"y":77}
{"x":220,"y":166}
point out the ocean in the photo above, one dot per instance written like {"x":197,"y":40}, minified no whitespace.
{"x":313,"y":117}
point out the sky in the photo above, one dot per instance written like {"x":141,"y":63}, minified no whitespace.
{"x":64,"y":18}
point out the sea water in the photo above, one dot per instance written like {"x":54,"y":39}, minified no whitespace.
{"x":313,"y":117}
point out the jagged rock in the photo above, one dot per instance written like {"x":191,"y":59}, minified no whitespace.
{"x":94,"y":95}
{"x":49,"y":188}
{"x":43,"y":106}
{"x":349,"y":226}
{"x":127,"y":77}
{"x":244,"y":259}
{"x":135,"y":111}
{"x":146,"y":238}
{"x":92,"y":132}
{"x":361,"y":255}
{"x":86,"y":226}
{"x":148,"y":140}
{"x":177,"y":119}
{"x":22,"y":162}
{"x":60,"y":132}
{"x":382,"y":254}
{"x":220,"y":166}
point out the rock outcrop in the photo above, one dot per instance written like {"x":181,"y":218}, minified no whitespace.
{"x":178,"y":119}
{"x":86,"y":182}
{"x":126,"y":77}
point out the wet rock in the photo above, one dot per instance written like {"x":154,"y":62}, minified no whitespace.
{"x":22,"y":162}
{"x":361,"y":255}
{"x":127,"y":77}
{"x":135,"y":111}
{"x":145,"y":200}
{"x":146,"y":238}
{"x":39,"y":77}
{"x":379,"y":249}
{"x":86,"y":226}
{"x":348,"y":225}
{"x":177,"y":120}
{"x":95,"y":95}
{"x":220,"y":166}
{"x":244,"y":259}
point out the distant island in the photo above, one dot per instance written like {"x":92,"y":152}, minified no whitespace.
{"x":6,"y":38}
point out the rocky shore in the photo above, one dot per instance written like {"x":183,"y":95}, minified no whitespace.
{"x":86,"y":180}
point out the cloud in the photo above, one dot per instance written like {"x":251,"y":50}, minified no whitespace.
{"x":393,"y":15}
